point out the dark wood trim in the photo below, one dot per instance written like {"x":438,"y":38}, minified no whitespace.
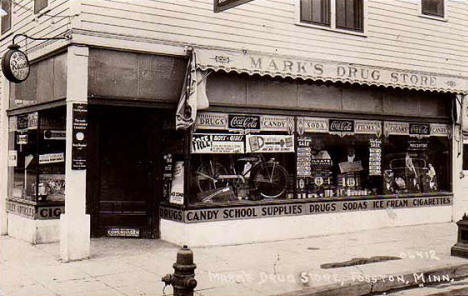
{"x":37,"y":107}
{"x":118,"y":102}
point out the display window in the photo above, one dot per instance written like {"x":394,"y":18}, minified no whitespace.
{"x":37,"y":156}
{"x":242,"y":158}
{"x":249,"y":159}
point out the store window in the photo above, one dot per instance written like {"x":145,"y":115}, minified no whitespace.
{"x":316,"y":12}
{"x":433,"y":8}
{"x":37,"y":156}
{"x":6,"y":19}
{"x":345,"y":15}
{"x":255,"y":159}
{"x":242,"y":158}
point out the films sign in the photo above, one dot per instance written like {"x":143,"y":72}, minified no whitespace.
{"x":123,"y":232}
{"x":217,"y":143}
{"x":51,"y":158}
{"x":269,"y":143}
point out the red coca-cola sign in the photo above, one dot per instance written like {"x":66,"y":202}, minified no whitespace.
{"x":244,"y":122}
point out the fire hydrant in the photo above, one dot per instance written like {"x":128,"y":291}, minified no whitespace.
{"x":183,"y":279}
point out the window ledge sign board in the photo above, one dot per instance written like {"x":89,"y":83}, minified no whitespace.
{"x":221,"y":5}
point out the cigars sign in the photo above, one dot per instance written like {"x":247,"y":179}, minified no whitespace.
{"x":298,"y":209}
{"x":293,"y":67}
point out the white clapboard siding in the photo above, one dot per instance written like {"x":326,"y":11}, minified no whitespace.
{"x":397,"y":35}
{"x":24,"y":22}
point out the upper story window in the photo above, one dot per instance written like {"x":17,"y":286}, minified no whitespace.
{"x":433,"y":8}
{"x":345,"y":15}
{"x":6,"y":19}
{"x":40,"y":5}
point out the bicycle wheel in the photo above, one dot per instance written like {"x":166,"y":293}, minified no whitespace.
{"x":270,"y":180}
{"x":206,"y":176}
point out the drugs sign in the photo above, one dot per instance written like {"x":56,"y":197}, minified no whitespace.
{"x":221,"y":5}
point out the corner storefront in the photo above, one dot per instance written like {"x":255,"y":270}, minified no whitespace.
{"x":291,"y":148}
{"x":288,"y":148}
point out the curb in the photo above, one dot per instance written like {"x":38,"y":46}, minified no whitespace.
{"x":368,"y":285}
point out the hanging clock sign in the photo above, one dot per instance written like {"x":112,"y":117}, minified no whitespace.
{"x":15,"y":64}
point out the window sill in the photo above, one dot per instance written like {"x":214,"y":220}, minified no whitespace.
{"x":348,"y":32}
{"x":435,"y":18}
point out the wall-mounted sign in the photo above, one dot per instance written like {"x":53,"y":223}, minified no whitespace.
{"x":12,"y":158}
{"x":373,"y":127}
{"x":277,"y":123}
{"x":51,"y":158}
{"x":15,"y":64}
{"x":375,"y":157}
{"x":305,"y":208}
{"x":341,"y":127}
{"x":269,"y":143}
{"x":211,"y":121}
{"x":244,"y":121}
{"x":396,"y":128}
{"x":177,"y":187}
{"x":312,"y":125}
{"x":420,"y":129}
{"x":54,"y":135}
{"x":303,"y":68}
{"x":21,"y":209}
{"x":79,"y":141}
{"x":441,"y":130}
{"x":217,"y":143}
{"x":123,"y":232}
{"x":221,"y":5}
{"x":304,"y":156}
{"x":50,"y":212}
{"x":22,"y":139}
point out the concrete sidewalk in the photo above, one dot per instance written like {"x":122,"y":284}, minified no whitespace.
{"x":134,"y":267}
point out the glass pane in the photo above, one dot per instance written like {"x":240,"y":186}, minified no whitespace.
{"x":414,"y":165}
{"x":51,"y":181}
{"x":433,"y":7}
{"x":465,"y":157}
{"x":349,"y":14}
{"x":315,"y":11}
{"x":6,"y":20}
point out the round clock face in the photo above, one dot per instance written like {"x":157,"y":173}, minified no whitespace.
{"x":19,"y":65}
{"x":15,"y":65}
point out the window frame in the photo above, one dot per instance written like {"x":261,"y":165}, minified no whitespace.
{"x":332,"y":27}
{"x":38,"y":11}
{"x":9,"y":30}
{"x":434,"y":17}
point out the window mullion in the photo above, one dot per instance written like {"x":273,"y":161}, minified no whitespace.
{"x":333,"y":14}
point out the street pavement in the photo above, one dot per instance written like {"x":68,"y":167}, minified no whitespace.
{"x":131,"y":267}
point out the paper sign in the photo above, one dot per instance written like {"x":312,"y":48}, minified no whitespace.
{"x":269,"y":143}
{"x":217,"y":143}
{"x":12,"y":158}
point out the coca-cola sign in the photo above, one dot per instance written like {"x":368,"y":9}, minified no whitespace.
{"x":341,"y":125}
{"x":420,"y":129}
{"x":244,"y":122}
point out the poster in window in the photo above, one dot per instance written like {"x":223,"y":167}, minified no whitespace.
{"x":270,"y":143}
{"x":217,"y":143}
